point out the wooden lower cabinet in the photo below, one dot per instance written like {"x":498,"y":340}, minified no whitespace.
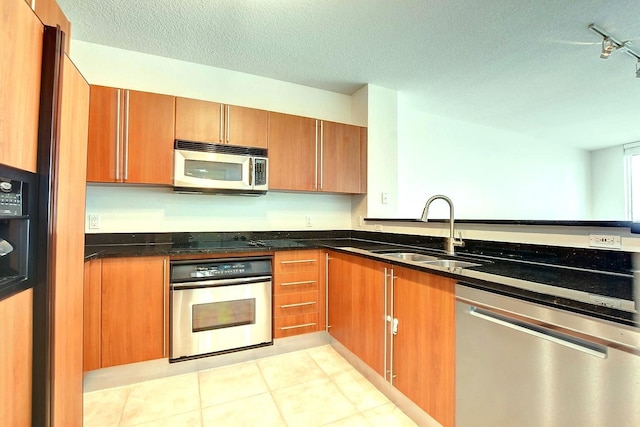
{"x":16,"y":334}
{"x":356,"y":306}
{"x":298,"y":294}
{"x":423,"y":349}
{"x":92,"y":344}
{"x":134,"y":304}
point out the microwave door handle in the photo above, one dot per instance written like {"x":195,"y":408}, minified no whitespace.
{"x":251,"y":172}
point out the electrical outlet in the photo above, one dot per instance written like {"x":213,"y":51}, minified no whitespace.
{"x":385,"y":198}
{"x":604,"y":241}
{"x":94,"y":221}
{"x":361,"y":221}
{"x":307,"y":221}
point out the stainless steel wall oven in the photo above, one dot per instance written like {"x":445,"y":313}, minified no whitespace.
{"x":219,"y":306}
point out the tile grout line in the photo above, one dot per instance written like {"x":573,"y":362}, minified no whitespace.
{"x":124,"y":405}
{"x":271,"y":395}
{"x":200,"y":401}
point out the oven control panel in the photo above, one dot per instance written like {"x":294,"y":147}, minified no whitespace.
{"x":194,"y":270}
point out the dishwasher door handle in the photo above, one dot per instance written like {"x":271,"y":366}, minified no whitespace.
{"x":541,"y":332}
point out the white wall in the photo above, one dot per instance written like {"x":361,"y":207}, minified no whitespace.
{"x":488,"y":173}
{"x":138,"y":209}
{"x":607,"y":183}
{"x":124,"y":208}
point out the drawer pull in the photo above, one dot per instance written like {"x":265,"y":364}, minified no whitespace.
{"x":300,"y":304}
{"x":304,"y":282}
{"x":297,"y":261}
{"x":305,"y":325}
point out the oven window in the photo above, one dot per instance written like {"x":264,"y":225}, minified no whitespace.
{"x":218,"y":171}
{"x":225,"y":314}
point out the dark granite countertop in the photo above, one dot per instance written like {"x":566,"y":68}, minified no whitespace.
{"x":595,"y":282}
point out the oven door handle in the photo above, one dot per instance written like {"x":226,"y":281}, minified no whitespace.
{"x":219,"y":282}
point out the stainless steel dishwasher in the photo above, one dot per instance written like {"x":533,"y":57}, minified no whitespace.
{"x":523,"y":364}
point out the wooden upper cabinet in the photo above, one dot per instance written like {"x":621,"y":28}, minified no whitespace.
{"x":104,"y":154}
{"x":246,"y":127}
{"x":50,"y":14}
{"x":292,"y":152}
{"x":312,"y":155}
{"x":131,"y":136}
{"x":341,"y":169}
{"x":148,"y":150}
{"x":21,"y":52}
{"x":199,"y":121}
{"x":204,"y":121}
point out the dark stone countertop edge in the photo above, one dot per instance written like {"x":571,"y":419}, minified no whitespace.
{"x":565,"y":223}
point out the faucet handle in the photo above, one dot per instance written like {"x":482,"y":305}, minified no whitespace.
{"x":457,"y":241}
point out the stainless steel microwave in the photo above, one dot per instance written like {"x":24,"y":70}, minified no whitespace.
{"x":217,"y":168}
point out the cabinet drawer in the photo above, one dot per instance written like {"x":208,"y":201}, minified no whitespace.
{"x":295,"y":261}
{"x":287,"y":283}
{"x":298,"y":303}
{"x":295,"y":325}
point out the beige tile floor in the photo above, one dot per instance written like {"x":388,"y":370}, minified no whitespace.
{"x":314,"y":387}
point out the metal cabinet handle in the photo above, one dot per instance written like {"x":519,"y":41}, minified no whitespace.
{"x":299,"y":304}
{"x":326,"y":291}
{"x":540,"y":332}
{"x":126,"y":135}
{"x":164,"y":307}
{"x":220,"y":139}
{"x":315,"y":181}
{"x":304,"y":282}
{"x":385,"y":343}
{"x":305,"y":325}
{"x":298,"y":261}
{"x":392,"y":309}
{"x":118,"y":132}
{"x":321,"y":154}
{"x":228,"y":130}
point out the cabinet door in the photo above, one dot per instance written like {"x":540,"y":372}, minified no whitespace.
{"x":292,"y":152}
{"x":341,"y":157}
{"x":16,"y":336}
{"x":199,"y":121}
{"x":104,"y":151}
{"x":50,"y":14}
{"x":368,"y":311}
{"x":68,"y":249}
{"x":246,"y":127}
{"x":148,"y":145}
{"x":133,"y":310}
{"x":340,"y":298}
{"x":424,"y":348}
{"x":21,"y":53}
{"x":92,"y":314}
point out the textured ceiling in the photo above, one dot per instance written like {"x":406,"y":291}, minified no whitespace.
{"x":529,"y":66}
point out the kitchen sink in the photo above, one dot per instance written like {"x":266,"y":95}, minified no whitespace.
{"x":452,"y":264}
{"x":412,"y":256}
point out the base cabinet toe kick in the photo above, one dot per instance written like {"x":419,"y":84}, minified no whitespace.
{"x":525,"y":364}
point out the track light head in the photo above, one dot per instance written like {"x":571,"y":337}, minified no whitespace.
{"x":608,"y":46}
{"x":638,"y":69}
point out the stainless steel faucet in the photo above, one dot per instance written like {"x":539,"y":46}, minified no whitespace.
{"x":452,"y":242}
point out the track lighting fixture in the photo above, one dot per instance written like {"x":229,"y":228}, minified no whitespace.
{"x":610,"y":44}
{"x":607,"y":47}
